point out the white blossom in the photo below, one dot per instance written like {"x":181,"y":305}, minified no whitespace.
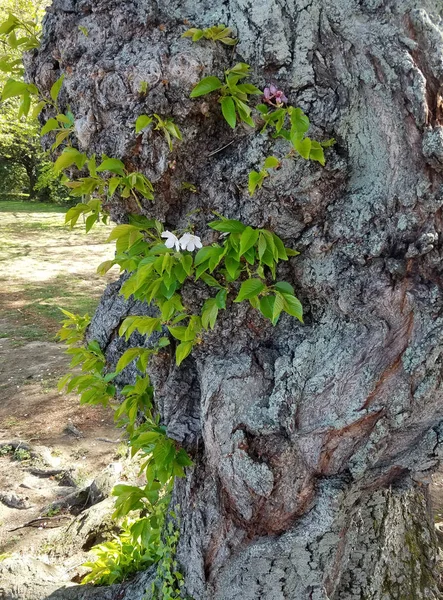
{"x":171,"y":240}
{"x":190,"y":242}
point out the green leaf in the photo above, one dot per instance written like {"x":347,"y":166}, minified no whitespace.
{"x":284,"y":287}
{"x":248,"y":88}
{"x":181,"y":333}
{"x":271,"y":162}
{"x":249,"y":289}
{"x":328,"y":143}
{"x":299,"y":122}
{"x":244,"y":112}
{"x":316,"y":153}
{"x":232,"y":266}
{"x":122,"y":230}
{"x":90,"y":221}
{"x":228,"y":110}
{"x":293,"y":306}
{"x":204,"y":254}
{"x":248,"y":239}
{"x":8,"y":25}
{"x":69,"y":157}
{"x":182,"y":351}
{"x":145,"y":326}
{"x":163,"y":342}
{"x":209,"y":313}
{"x":241,"y":69}
{"x":267,"y":306}
{"x":38,"y":109}
{"x":228,"y":226}
{"x":60,"y":138}
{"x":211,"y":281}
{"x":113,"y":165}
{"x":262,"y":245}
{"x":303,"y":147}
{"x":198,"y":35}
{"x":255,"y":180}
{"x":113,"y":184}
{"x":206,"y":86}
{"x":104,"y":267}
{"x":142,"y":122}
{"x":127,"y":358}
{"x":55,"y":89}
{"x":191,"y":32}
{"x":262,"y":108}
{"x":220,"y":298}
{"x":280,"y":248}
{"x":13,"y":88}
{"x":279,"y":304}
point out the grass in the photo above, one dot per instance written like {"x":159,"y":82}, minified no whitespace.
{"x":46,"y":265}
{"x":33,"y":207}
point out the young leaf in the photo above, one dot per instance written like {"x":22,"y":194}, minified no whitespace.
{"x":220,"y":298}
{"x":267,"y":306}
{"x":284,"y":287}
{"x":55,"y":89}
{"x":303,"y":147}
{"x":249,"y":289}
{"x":292,"y":306}
{"x":211,"y":281}
{"x":50,"y":125}
{"x":228,"y":110}
{"x":209,"y":313}
{"x":316,"y":153}
{"x":248,"y":239}
{"x":255,"y":180}
{"x":38,"y":109}
{"x":227,"y":226}
{"x":299,"y":122}
{"x":127,"y":358}
{"x":112,"y":164}
{"x":142,"y":122}
{"x":182,"y":351}
{"x":279,"y":304}
{"x":69,"y":157}
{"x":13,"y":88}
{"x":206,"y":86}
{"x":271,"y":162}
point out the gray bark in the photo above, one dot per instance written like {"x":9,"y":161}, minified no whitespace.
{"x":312,"y":444}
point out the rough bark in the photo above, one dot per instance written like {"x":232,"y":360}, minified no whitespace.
{"x":312,"y":444}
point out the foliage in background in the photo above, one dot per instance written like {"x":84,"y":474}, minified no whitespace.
{"x":24,"y":167}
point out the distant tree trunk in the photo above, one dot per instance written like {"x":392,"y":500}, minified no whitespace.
{"x":32,"y":178}
{"x":312,"y":444}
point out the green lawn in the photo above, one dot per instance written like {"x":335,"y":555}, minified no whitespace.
{"x":45,"y":265}
{"x":10,"y":206}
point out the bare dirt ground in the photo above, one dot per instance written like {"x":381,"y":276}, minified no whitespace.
{"x":43,"y":266}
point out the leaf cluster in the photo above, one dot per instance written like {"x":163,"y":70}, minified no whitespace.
{"x":299,"y":124}
{"x":167,"y":126}
{"x":106,"y":179}
{"x":18,"y":36}
{"x":216,"y":33}
{"x":234,"y":96}
{"x":256,"y":178}
{"x":246,"y":256}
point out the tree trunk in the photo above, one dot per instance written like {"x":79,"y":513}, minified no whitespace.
{"x":312,"y":443}
{"x":32,"y":178}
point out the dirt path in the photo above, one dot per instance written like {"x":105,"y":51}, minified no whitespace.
{"x":43,"y":266}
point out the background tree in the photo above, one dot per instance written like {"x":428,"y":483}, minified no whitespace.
{"x":23,"y":163}
{"x":21,"y":153}
{"x":312,"y":443}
